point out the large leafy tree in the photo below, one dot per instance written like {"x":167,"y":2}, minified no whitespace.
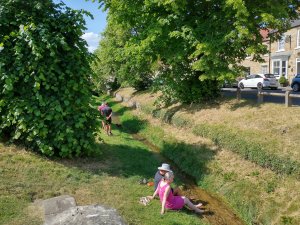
{"x":195,"y":43}
{"x":117,"y":59}
{"x":44,"y":78}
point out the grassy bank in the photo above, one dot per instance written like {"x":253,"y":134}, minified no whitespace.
{"x":110,"y":178}
{"x":250,"y":159}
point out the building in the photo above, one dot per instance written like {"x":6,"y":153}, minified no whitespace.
{"x":284,"y":55}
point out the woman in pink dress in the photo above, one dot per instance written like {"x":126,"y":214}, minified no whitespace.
{"x":168,"y":200}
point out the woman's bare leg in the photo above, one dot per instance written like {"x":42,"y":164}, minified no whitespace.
{"x":191,"y":205}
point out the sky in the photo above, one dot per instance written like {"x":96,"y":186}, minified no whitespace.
{"x":95,"y":26}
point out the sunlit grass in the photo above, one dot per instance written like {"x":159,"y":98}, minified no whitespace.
{"x":110,"y":178}
{"x":258,"y":194}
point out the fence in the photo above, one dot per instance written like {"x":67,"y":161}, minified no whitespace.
{"x":260,"y":96}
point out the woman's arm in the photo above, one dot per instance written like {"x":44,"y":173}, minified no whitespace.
{"x":154,"y":194}
{"x":163,"y":204}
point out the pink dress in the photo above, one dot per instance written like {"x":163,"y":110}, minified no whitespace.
{"x":172,"y":202}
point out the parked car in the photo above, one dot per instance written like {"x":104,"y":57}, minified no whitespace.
{"x":277,"y":76}
{"x":259,"y":81}
{"x":296,"y":83}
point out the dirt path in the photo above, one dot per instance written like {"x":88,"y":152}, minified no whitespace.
{"x":216,"y":211}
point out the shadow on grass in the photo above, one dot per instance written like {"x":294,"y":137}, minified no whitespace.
{"x":190,"y":158}
{"x":167,"y":114}
{"x":213,"y":104}
{"x":244,"y":103}
{"x":188,"y":161}
{"x":133,"y":126}
{"x":117,"y":160}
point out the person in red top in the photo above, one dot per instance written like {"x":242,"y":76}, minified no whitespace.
{"x":107,"y":112}
{"x":100,"y":107}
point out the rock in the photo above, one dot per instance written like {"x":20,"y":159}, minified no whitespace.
{"x":62,"y":210}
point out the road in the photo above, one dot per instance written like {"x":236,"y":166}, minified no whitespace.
{"x":251,"y":94}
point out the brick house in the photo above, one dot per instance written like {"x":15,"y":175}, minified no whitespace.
{"x":284,"y":55}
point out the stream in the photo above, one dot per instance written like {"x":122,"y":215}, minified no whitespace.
{"x":216,"y":211}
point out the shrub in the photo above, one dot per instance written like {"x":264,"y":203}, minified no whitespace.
{"x":44,"y":69}
{"x":282,"y":80}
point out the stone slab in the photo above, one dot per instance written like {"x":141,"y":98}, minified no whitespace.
{"x":62,"y":210}
{"x":87,"y":215}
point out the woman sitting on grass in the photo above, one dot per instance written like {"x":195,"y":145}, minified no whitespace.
{"x":168,"y":200}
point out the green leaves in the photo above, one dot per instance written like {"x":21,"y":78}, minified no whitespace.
{"x":44,"y":68}
{"x":173,"y":40}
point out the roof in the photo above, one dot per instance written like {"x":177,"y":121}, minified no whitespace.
{"x":264,"y":33}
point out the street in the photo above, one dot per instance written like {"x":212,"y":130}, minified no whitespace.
{"x":251,"y":94}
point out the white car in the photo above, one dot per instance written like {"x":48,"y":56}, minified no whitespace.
{"x":259,"y":81}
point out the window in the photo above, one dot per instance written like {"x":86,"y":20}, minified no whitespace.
{"x":283,"y":68}
{"x":264,"y":69}
{"x":281,"y":43}
{"x":280,"y":67}
{"x":276,"y":67}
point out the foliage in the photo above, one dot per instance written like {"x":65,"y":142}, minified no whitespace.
{"x":181,"y":43}
{"x":113,"y":62}
{"x":44,"y":69}
{"x":282,"y":80}
{"x":185,"y":88}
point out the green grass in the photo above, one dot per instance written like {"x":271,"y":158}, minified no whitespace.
{"x":110,"y":178}
{"x":252,"y":195}
{"x":250,"y":144}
